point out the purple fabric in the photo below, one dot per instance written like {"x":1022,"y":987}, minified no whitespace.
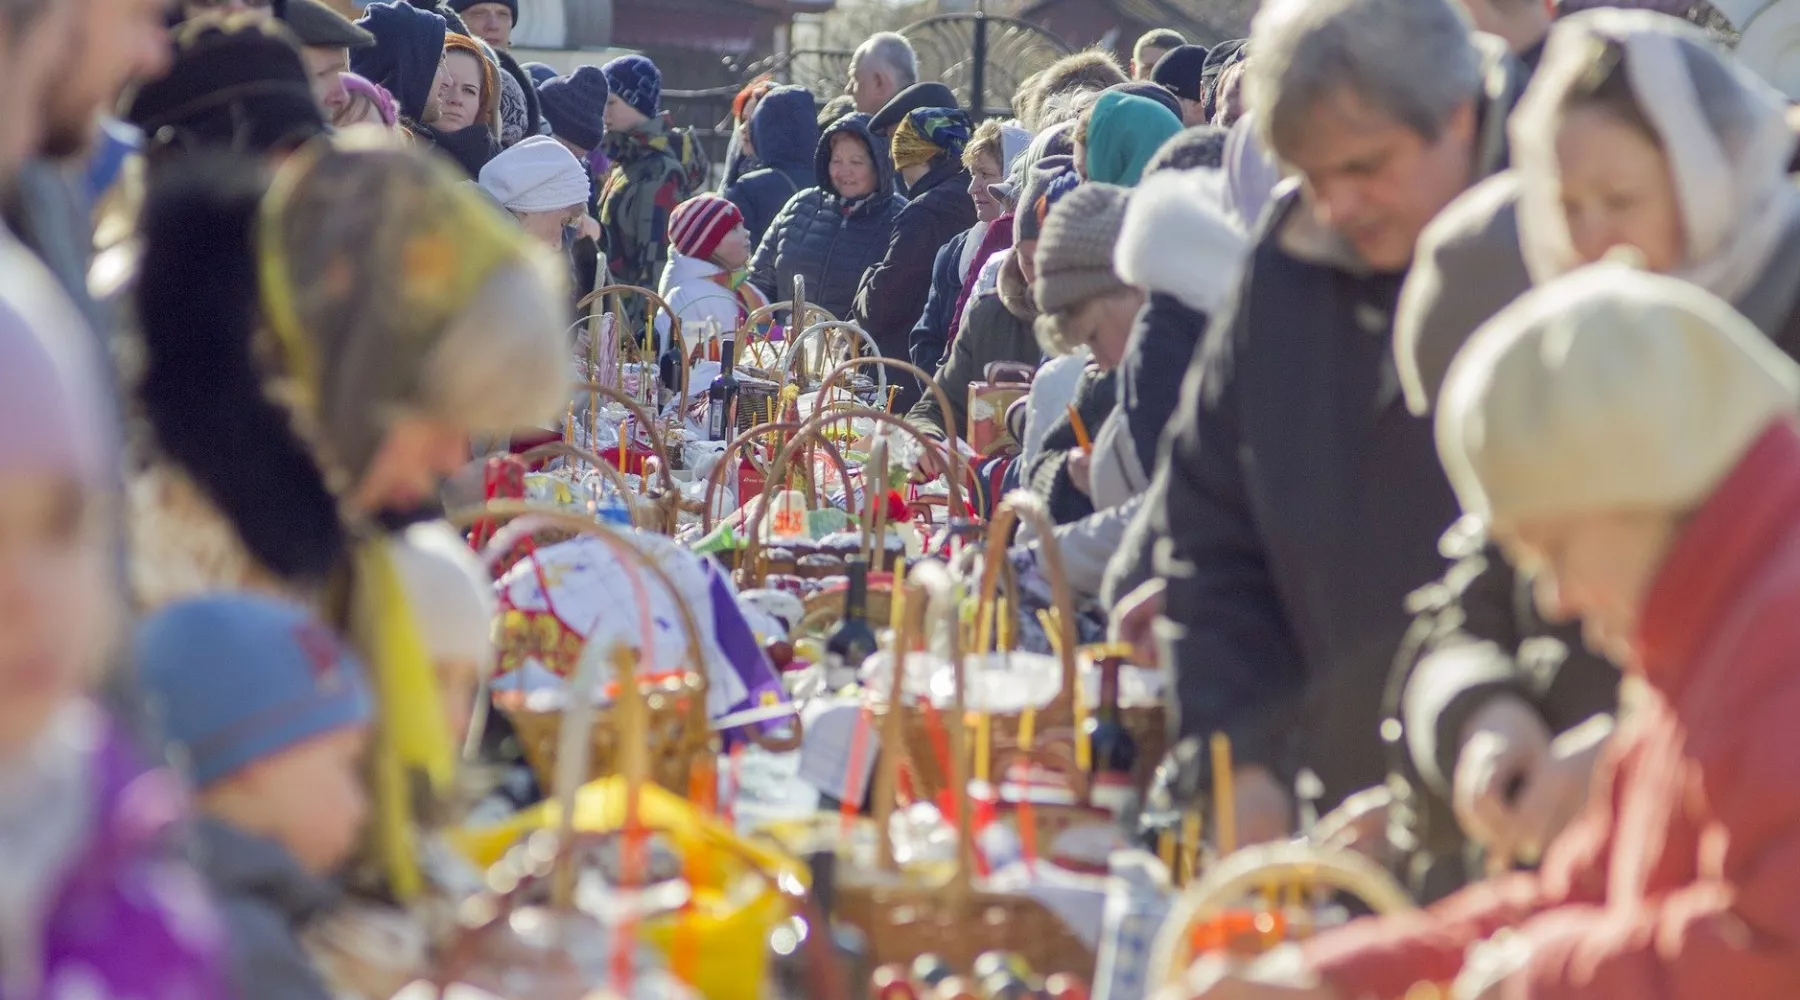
{"x":736,"y":638}
{"x":133,"y":919}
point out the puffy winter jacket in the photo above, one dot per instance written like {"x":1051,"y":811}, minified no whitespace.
{"x":926,"y":343}
{"x":892,"y":296}
{"x":827,"y":239}
{"x":785,"y":132}
{"x":999,"y":330}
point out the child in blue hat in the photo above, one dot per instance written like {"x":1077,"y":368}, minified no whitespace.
{"x":270,"y":713}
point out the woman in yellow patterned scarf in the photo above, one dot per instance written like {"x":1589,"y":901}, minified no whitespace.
{"x":319,"y":346}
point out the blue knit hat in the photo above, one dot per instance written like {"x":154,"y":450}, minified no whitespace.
{"x":575,"y":106}
{"x":541,"y":73}
{"x":238,"y":678}
{"x":638,"y":83}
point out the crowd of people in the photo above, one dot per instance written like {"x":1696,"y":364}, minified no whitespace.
{"x":1414,"y":382}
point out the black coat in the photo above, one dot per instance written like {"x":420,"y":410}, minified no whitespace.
{"x":820,"y":236}
{"x":1048,"y":474}
{"x":786,"y":133}
{"x":892,"y":296}
{"x":931,"y":334}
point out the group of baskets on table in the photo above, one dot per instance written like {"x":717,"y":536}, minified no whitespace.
{"x":630,"y":664}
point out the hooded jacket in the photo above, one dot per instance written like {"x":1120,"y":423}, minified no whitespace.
{"x":785,"y":131}
{"x":828,"y":240}
{"x":267,"y":901}
{"x":925,"y":343}
{"x":409,"y":44}
{"x":893,"y":293}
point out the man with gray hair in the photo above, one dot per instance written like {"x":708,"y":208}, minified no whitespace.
{"x":880,"y":68}
{"x":1298,"y":504}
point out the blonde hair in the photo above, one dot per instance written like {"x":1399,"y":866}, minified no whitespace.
{"x":986,"y":141}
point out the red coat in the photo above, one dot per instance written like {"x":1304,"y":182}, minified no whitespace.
{"x":1681,"y":880}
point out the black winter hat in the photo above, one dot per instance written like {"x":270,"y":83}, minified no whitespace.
{"x":1180,"y":71}
{"x":575,"y":106}
{"x":461,"y":5}
{"x":919,"y":95}
{"x":1221,"y":56}
{"x":240,"y":87}
{"x":318,"y":26}
{"x":409,"y":44}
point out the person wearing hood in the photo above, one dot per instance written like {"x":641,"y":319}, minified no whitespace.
{"x":646,"y":181}
{"x":706,"y":283}
{"x":409,"y":47}
{"x":989,"y":158}
{"x":493,"y":21}
{"x":1634,"y":440}
{"x":783,"y":137}
{"x":1285,"y":558}
{"x":467,"y":128}
{"x":737,"y":161}
{"x":1118,"y":136}
{"x":927,"y":149}
{"x":833,"y":233}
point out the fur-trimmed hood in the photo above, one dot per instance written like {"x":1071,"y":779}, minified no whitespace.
{"x":1180,"y":240}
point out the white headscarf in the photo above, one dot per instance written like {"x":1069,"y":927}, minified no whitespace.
{"x":1720,"y":126}
{"x":537,"y":175}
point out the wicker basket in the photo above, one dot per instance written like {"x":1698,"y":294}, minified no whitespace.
{"x":1054,"y":725}
{"x":676,"y":727}
{"x":905,"y":916}
{"x":631,"y":343}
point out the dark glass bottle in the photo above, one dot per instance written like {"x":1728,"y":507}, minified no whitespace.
{"x":854,"y":640}
{"x":1113,"y":753}
{"x":722,"y":398}
{"x":850,"y":945}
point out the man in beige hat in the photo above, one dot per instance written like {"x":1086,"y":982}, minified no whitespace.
{"x":1633,"y":442}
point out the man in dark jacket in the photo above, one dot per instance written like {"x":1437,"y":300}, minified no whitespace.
{"x":832,"y":234}
{"x":784,"y":137}
{"x":928,"y":146}
{"x":1299,"y":504}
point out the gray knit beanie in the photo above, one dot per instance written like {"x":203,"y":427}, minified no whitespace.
{"x":1027,"y":224}
{"x":1075,"y":250}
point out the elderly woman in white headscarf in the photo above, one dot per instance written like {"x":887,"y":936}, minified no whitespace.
{"x":1637,"y":132}
{"x":545,"y":187}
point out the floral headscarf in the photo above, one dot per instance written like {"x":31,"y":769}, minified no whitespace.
{"x":927,"y":133}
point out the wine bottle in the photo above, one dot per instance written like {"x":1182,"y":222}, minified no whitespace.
{"x":722,"y":398}
{"x":1112,"y":750}
{"x":854,"y":640}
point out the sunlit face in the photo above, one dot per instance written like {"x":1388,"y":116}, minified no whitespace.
{"x":1617,"y":190}
{"x":459,"y":100}
{"x":57,"y":605}
{"x":325,"y":68}
{"x":490,"y":22}
{"x":1375,"y":181}
{"x":1103,"y":326}
{"x":434,"y":102}
{"x":621,"y":116}
{"x":310,"y":798}
{"x":114,"y":41}
{"x":869,"y":85}
{"x":417,"y":455}
{"x":982,"y":176}
{"x":1594,"y":567}
{"x":1142,"y":66}
{"x":852,"y":171}
{"x":734,"y":249}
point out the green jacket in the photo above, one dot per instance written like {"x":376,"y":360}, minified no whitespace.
{"x":645,"y":184}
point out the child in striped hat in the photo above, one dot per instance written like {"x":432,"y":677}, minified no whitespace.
{"x":706,"y":280}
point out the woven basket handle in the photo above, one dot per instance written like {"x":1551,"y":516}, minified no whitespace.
{"x":743,"y":441}
{"x":1021,"y":504}
{"x":576,"y":453}
{"x":654,"y":302}
{"x":858,"y":338}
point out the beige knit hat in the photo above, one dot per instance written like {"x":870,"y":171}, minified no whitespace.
{"x":1075,"y":254}
{"x":1607,"y":389}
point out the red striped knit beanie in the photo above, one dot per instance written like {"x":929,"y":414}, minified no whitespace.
{"x":698,"y":224}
